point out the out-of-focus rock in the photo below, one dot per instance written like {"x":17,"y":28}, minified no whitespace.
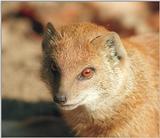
{"x":153,"y":21}
{"x":128,"y":16}
{"x":9,"y":7}
{"x":21,"y":57}
{"x":62,"y":13}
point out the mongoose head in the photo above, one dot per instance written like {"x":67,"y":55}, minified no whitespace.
{"x":83,"y":64}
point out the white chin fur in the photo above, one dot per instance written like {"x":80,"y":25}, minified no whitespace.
{"x":92,"y":96}
{"x":87,"y":97}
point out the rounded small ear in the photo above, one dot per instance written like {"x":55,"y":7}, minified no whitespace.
{"x":111,"y":42}
{"x":50,"y":37}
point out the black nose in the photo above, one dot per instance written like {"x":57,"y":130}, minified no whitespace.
{"x":60,"y":99}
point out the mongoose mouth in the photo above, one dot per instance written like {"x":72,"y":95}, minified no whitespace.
{"x":71,"y":106}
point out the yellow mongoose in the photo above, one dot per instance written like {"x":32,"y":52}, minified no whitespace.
{"x":105,"y":86}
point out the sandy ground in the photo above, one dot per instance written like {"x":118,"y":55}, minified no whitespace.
{"x":50,"y":126}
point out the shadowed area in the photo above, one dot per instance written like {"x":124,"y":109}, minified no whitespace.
{"x":32,"y":119}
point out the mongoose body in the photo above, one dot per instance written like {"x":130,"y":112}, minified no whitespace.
{"x":105,"y":85}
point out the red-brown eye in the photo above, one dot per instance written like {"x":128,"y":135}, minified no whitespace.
{"x":87,"y":73}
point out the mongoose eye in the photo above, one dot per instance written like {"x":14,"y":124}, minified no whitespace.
{"x":87,"y":73}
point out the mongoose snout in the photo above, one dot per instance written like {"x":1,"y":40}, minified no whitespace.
{"x":60,"y":99}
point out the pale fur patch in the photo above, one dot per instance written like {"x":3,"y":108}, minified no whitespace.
{"x":97,"y":101}
{"x":92,"y":95}
{"x":86,"y":97}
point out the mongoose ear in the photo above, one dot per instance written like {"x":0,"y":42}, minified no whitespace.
{"x":112,"y":43}
{"x":51,"y":36}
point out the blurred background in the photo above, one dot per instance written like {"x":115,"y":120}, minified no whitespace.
{"x":27,"y":106}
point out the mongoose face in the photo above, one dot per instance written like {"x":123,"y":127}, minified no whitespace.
{"x":82,"y":63}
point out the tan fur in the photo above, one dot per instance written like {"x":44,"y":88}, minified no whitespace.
{"x":125,"y":95}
